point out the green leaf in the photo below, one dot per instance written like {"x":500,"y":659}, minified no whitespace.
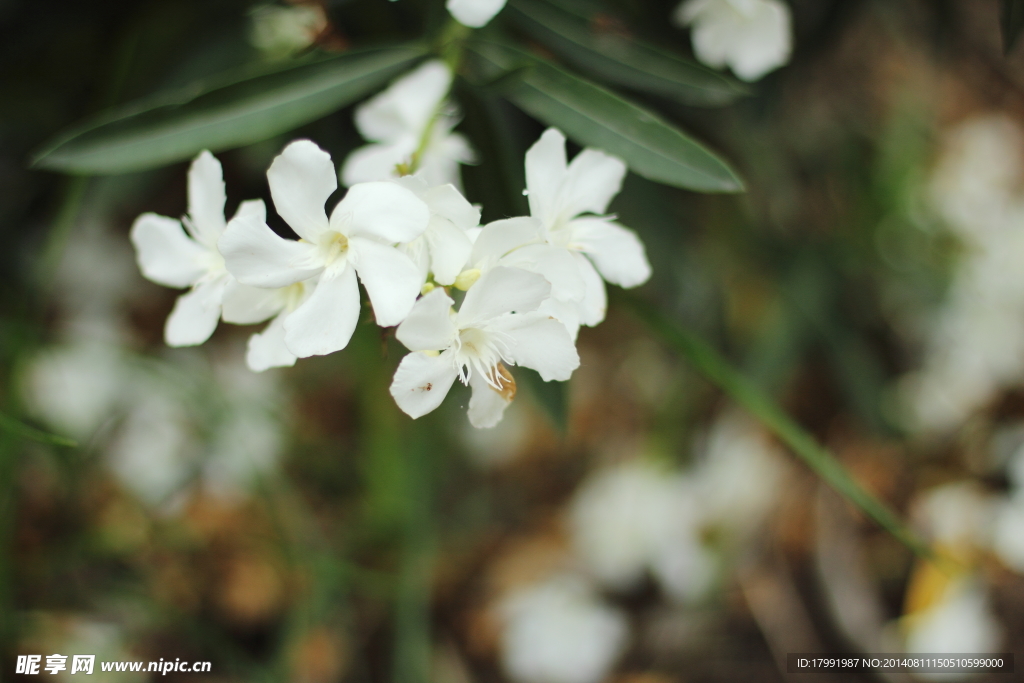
{"x":598,"y":118}
{"x":21,"y":430}
{"x":552,"y":397}
{"x":221,"y":113}
{"x":717,"y":369}
{"x":620,"y":60}
{"x":1011,"y":22}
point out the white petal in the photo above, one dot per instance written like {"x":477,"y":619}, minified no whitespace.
{"x":376,"y":161}
{"x":556,"y":264}
{"x":542,"y":344}
{"x":595,"y":301}
{"x":474,"y":13}
{"x":206,"y":198}
{"x":429,"y":326}
{"x":421,"y":382}
{"x":381,"y":210}
{"x":503,"y":290}
{"x":391,"y":279}
{"x":617,"y":252}
{"x":301,"y":178}
{"x":448,"y":202}
{"x":419,"y":252}
{"x":257,"y":256}
{"x":500,"y":237}
{"x":545,"y":170}
{"x":486,"y":406}
{"x":767,"y":42}
{"x":449,"y":249}
{"x":165,"y":253}
{"x":324,"y":322}
{"x":246,"y":305}
{"x":593,"y":179}
{"x":267,"y":349}
{"x":195,"y":314}
{"x":565,"y":312}
{"x":407,"y":105}
{"x":254,"y":208}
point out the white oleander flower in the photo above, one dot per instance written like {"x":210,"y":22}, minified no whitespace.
{"x":174,"y":257}
{"x":559,"y":631}
{"x":358,"y":239}
{"x":568,"y":200}
{"x":279,"y":32}
{"x":445,"y":246}
{"x":497,"y":324}
{"x":410,"y":118}
{"x":521,"y":243}
{"x":247,"y":305}
{"x":156,"y":449}
{"x":474,"y":13}
{"x":752,"y":37}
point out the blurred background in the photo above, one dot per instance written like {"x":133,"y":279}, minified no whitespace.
{"x":636,"y":527}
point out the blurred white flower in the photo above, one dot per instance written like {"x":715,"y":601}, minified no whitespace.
{"x":961,"y":620}
{"x":75,"y":388}
{"x":245,"y":446}
{"x":249,"y":437}
{"x":636,"y":518}
{"x":279,"y":32}
{"x":175,"y":257}
{"x":358,"y":240}
{"x":445,"y":245}
{"x":474,"y":13}
{"x":752,"y":37}
{"x":975,"y":343}
{"x":1008,"y":532}
{"x":567,"y":199}
{"x":558,"y":631}
{"x":496,"y":325}
{"x":957,"y":516}
{"x":741,"y":473}
{"x":155,"y":451}
{"x":410,"y":118}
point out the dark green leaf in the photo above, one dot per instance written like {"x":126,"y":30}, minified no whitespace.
{"x":222,"y":113}
{"x":552,"y":397}
{"x":623,"y":61}
{"x":596,"y":117}
{"x":21,"y":430}
{"x":1011,"y":21}
{"x":717,"y":369}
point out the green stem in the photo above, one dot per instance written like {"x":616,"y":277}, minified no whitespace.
{"x":19,"y":429}
{"x":717,"y":369}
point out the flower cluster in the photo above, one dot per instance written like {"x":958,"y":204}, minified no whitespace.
{"x":415,"y":243}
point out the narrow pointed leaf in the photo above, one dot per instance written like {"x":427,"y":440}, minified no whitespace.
{"x":717,"y":369}
{"x":596,"y":117}
{"x":222,"y":113}
{"x":627,"y":62}
{"x":21,"y":430}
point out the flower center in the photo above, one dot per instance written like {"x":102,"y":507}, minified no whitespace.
{"x":334,"y":245}
{"x":482,"y":351}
